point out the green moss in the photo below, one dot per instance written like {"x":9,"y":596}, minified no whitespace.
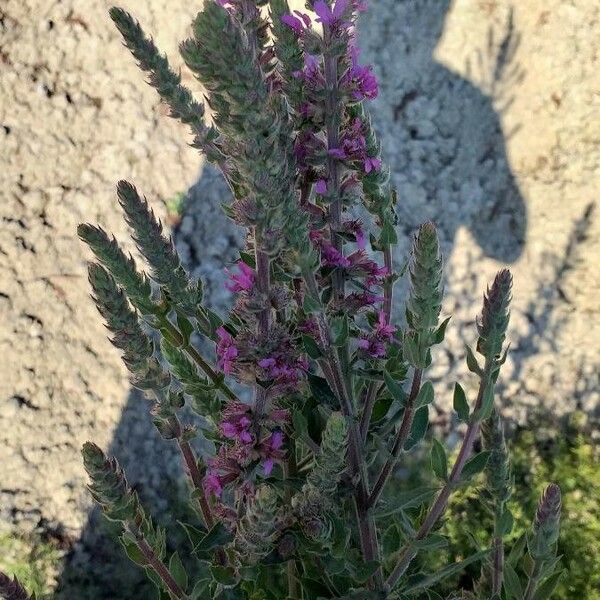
{"x":565,"y":454}
{"x":35,"y":562}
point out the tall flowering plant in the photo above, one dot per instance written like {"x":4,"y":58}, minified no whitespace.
{"x":294,"y":501}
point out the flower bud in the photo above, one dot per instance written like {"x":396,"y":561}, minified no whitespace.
{"x":495,"y":316}
{"x":546,"y":526}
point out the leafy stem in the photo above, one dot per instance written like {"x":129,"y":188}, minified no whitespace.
{"x":409,"y":550}
{"x":399,"y":440}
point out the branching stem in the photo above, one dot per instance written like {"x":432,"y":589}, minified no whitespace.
{"x":399,"y":441}
{"x":409,"y":550}
{"x":159,"y":567}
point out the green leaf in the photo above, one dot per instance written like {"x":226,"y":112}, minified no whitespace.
{"x":404,"y":500}
{"x":201,"y":590}
{"x":505,"y":523}
{"x":461,"y":406}
{"x":472,"y":363}
{"x":546,"y":589}
{"x":321,"y":391}
{"x":340,"y":331}
{"x":363,"y":570}
{"x":425,"y":395}
{"x":487,"y":402}
{"x":444,"y":573}
{"x":132,"y":550}
{"x":177,"y":570}
{"x":300,"y":425}
{"x":185,"y":327}
{"x":223,"y":575}
{"x":394,"y":388}
{"x":439,"y":461}
{"x":310,"y":304}
{"x":475,"y":465}
{"x":419,"y":427}
{"x":440,"y":332}
{"x":517,"y":550}
{"x":381,"y":409}
{"x":512,"y":584}
{"x":387,"y":235}
{"x":218,"y":536}
{"x":431,"y":542}
{"x":311,"y":347}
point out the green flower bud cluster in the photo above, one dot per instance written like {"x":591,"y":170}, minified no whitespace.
{"x":379,"y":199}
{"x":256,"y":531}
{"x":254,"y":123}
{"x":498,"y":475}
{"x":168,"y":83}
{"x":109,"y":487}
{"x":122,"y":321}
{"x":122,"y":268}
{"x":288,"y":51}
{"x":158,"y":250}
{"x":425,"y":299}
{"x":318,"y":493}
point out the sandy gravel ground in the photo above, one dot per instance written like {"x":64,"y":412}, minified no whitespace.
{"x":489,"y":119}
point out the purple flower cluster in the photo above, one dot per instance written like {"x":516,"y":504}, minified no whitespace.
{"x":284,"y":369}
{"x":227,"y":351}
{"x":374,"y":345}
{"x":353,"y":148}
{"x":242,"y":452}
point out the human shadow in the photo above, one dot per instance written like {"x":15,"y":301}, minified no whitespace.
{"x":442,"y":133}
{"x":444,"y":142}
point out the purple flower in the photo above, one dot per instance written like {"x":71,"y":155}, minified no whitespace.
{"x":212,"y":484}
{"x":238,"y":430}
{"x":226,"y":350}
{"x":299,"y":24}
{"x":383,"y":329}
{"x":372,"y":164}
{"x":311,"y":72}
{"x":332,"y":257}
{"x":284,"y":369}
{"x":321,"y":187}
{"x":242,"y":281}
{"x":355,"y":227}
{"x":328,"y":16}
{"x":374,"y":344}
{"x":360,"y":78}
{"x":373,"y":347}
{"x":270,"y":451}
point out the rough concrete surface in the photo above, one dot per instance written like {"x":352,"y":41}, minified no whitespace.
{"x":489,"y":119}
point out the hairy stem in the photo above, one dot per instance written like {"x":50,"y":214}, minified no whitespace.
{"x":263,"y":284}
{"x":497,"y":560}
{"x":340,"y":368}
{"x":399,"y":441}
{"x":533,"y":581}
{"x":158,"y":567}
{"x":291,"y":470}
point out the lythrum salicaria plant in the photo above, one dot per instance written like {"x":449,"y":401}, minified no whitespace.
{"x":295,"y":499}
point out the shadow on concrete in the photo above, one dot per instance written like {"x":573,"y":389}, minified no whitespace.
{"x":443,"y":139}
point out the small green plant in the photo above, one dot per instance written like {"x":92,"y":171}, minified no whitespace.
{"x":34,"y":561}
{"x":292,"y":501}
